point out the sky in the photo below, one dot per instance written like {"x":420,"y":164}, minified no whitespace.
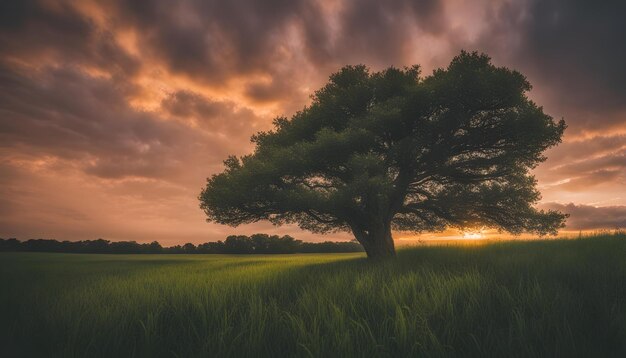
{"x":113,"y":113}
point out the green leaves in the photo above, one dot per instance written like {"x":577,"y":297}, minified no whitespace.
{"x":392,"y":148}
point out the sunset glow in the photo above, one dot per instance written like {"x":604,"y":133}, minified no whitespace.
{"x":473,"y":235}
{"x":113,"y":113}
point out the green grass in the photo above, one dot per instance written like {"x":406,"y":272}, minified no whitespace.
{"x":539,"y":298}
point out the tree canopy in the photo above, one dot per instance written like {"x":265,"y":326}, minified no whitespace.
{"x":392,"y":150}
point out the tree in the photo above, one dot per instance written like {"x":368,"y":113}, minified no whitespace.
{"x":238,"y":244}
{"x":189,"y":248}
{"x":393,"y":150}
{"x":153,"y":248}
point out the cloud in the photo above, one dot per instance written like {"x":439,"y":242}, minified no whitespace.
{"x":615,"y":160}
{"x":572,"y":50}
{"x":386,"y":27}
{"x":582,"y":149}
{"x":585,"y":171}
{"x":56,"y":31}
{"x":136,"y":102}
{"x":276,"y":46}
{"x":223,"y":118}
{"x":588,"y":170}
{"x":67,"y":114}
{"x":587,"y":180}
{"x":587,"y":217}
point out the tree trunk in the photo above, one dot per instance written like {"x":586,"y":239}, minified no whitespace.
{"x":378,"y":243}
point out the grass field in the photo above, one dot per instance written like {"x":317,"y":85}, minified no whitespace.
{"x":535,"y":298}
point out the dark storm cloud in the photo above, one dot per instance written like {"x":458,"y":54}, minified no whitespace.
{"x":587,"y":217}
{"x":581,"y":42}
{"x":31,"y":31}
{"x":573,"y":53}
{"x":101,"y":131}
{"x":572,"y":49}
{"x":266,"y":92}
{"x":213,"y":41}
{"x":45,"y":118}
{"x":209,"y":114}
{"x":63,"y":112}
{"x":381,"y":30}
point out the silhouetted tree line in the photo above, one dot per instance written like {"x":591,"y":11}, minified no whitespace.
{"x":234,"y":244}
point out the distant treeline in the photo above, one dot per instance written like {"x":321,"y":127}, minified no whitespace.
{"x":234,"y":244}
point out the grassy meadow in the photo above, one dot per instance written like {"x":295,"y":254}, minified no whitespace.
{"x":530,"y":298}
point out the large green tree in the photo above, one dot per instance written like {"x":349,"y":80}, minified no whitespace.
{"x":392,"y":150}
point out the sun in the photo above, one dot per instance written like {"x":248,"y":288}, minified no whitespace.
{"x":473,"y":235}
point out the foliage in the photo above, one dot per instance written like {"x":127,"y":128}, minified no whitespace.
{"x":234,"y":244}
{"x":394,"y":150}
{"x":551,"y":298}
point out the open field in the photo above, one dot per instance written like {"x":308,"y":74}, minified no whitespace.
{"x":536,"y":298}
